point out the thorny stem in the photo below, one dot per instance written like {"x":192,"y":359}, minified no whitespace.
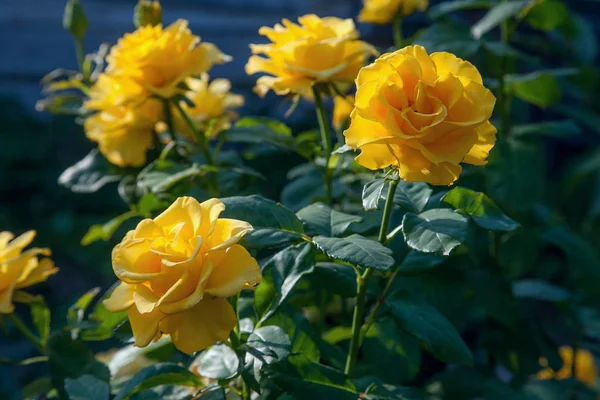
{"x":362,"y":281}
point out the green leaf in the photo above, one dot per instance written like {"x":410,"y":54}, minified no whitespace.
{"x":390,"y":392}
{"x":274,"y":224}
{"x":286,"y":268}
{"x":311,"y":381}
{"x":516,"y":176}
{"x":87,"y":387}
{"x":89,"y":174}
{"x":70,"y":358}
{"x":266,"y":345}
{"x":540,"y":290}
{"x":269,"y":237}
{"x":371,"y":194}
{"x":274,"y":124}
{"x":321,"y":219}
{"x":547,"y":15}
{"x":449,"y":36}
{"x":218,"y":362}
{"x":77,"y":310}
{"x":497,"y":14}
{"x":40,"y":314}
{"x":251,"y":130}
{"x":302,"y":191}
{"x":558,"y":129}
{"x":435,"y":332}
{"x":106,"y":321}
{"x":539,"y":88}
{"x":447,"y":7}
{"x":402,"y":359}
{"x":158,"y":374}
{"x":150,"y":203}
{"x":412,"y":196}
{"x":302,"y":334}
{"x":335,"y":278}
{"x":74,"y":19}
{"x":261,"y":213}
{"x":417,"y":262}
{"x":106,"y":230}
{"x":162,"y":175}
{"x":435,"y":231}
{"x":357,"y":250}
{"x":481,"y":208}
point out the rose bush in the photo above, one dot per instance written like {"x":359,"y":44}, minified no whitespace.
{"x":413,"y":251}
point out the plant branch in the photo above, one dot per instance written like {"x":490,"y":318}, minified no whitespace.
{"x":362,"y":281}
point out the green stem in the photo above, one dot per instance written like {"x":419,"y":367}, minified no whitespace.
{"x":202,"y":143}
{"x":362,"y":281}
{"x":26,"y":332}
{"x":326,"y":139}
{"x":80,"y":54}
{"x":398,"y":35}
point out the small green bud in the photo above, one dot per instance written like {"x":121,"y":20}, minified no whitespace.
{"x":74,"y":19}
{"x":147,"y":12}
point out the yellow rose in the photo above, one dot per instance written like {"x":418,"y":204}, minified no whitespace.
{"x":424,"y":114}
{"x":160,"y":59}
{"x":176,"y":271}
{"x":585,"y":366}
{"x":212,"y":101}
{"x":123,"y":125}
{"x":342,"y":107}
{"x":317,"y":50}
{"x":20,"y":269}
{"x":384,"y":11}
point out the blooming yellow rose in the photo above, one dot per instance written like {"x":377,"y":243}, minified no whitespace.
{"x":424,"y":114}
{"x":212,"y":101}
{"x":342,"y":107}
{"x":384,"y":11}
{"x":160,"y":59}
{"x":176,"y":271}
{"x":585,"y":366}
{"x":123,"y":124}
{"x":316,"y":50}
{"x":20,"y":269}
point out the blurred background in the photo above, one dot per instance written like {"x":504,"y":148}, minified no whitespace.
{"x":37,"y":147}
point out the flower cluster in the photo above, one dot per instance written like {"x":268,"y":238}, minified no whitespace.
{"x":20,"y":269}
{"x":145,"y":66}
{"x":176,"y":271}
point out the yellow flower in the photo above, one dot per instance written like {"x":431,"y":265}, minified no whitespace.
{"x":160,"y":59}
{"x":124,"y":120}
{"x":424,"y":114}
{"x":176,"y":271}
{"x":585,"y":366}
{"x":20,"y":269}
{"x":384,"y":11}
{"x":212,"y":101}
{"x":316,"y":50}
{"x":342,"y":107}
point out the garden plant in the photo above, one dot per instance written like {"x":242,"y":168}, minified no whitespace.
{"x":436,"y":234}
